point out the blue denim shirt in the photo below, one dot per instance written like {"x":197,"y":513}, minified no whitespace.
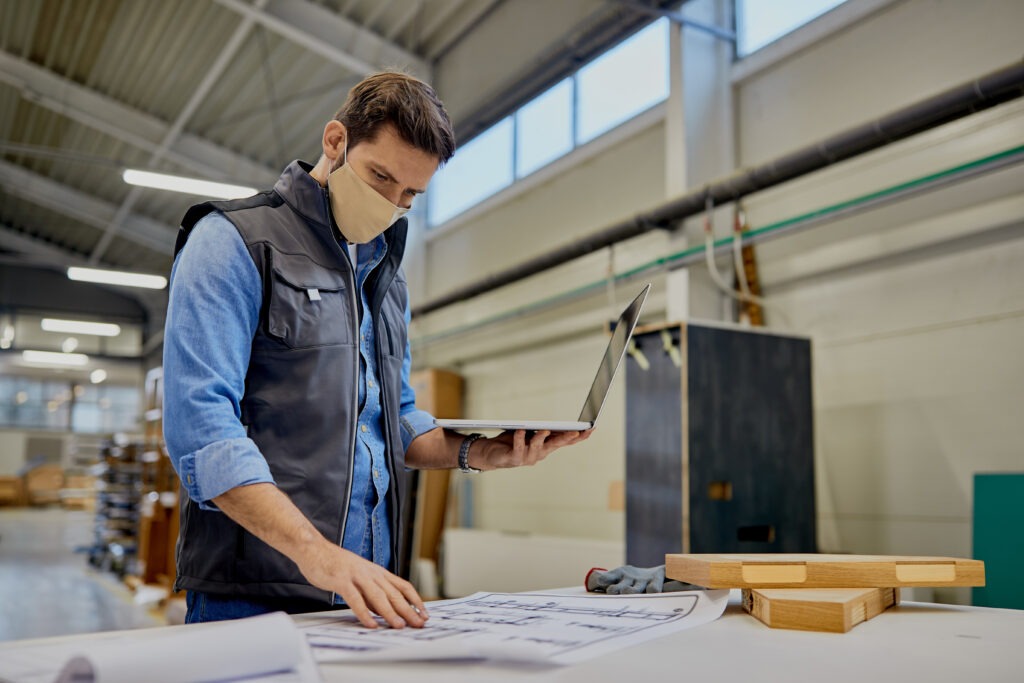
{"x":212,"y":314}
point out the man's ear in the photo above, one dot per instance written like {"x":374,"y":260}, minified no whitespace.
{"x":335,"y":135}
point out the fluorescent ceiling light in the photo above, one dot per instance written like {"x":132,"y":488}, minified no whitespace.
{"x":98,"y":375}
{"x":54,"y":358}
{"x":174,"y":183}
{"x":81,"y":327}
{"x":69,"y":345}
{"x":117,"y":277}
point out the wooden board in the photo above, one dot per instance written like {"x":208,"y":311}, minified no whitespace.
{"x":439,"y":392}
{"x":835,"y":610}
{"x":823,"y":571}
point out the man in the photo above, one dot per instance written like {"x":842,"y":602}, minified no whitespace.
{"x":288,"y":413}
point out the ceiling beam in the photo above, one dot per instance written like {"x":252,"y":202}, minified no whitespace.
{"x":139,"y":129}
{"x":40,"y":253}
{"x":322,"y":32}
{"x":84,"y":207}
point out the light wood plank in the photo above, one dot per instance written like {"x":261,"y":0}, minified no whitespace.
{"x":836,"y":610}
{"x":823,"y":571}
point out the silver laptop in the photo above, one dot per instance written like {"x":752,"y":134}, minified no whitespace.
{"x":598,"y":391}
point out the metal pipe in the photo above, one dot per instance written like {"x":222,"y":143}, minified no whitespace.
{"x":950,"y":176}
{"x":988,"y":91}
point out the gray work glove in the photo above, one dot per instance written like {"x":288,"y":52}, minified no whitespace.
{"x":629,"y":580}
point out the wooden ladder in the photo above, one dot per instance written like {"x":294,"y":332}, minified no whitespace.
{"x":748,"y":311}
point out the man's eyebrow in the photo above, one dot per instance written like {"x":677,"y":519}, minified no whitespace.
{"x":377,"y":166}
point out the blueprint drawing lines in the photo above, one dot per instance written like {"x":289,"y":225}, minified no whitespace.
{"x":556,"y":628}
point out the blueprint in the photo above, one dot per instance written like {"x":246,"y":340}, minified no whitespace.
{"x":536,"y":627}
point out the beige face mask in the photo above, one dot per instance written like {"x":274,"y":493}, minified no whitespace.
{"x":360,"y":211}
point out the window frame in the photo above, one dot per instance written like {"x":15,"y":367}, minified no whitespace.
{"x":518,"y":183}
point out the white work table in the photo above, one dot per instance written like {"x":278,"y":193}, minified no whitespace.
{"x":909,"y":642}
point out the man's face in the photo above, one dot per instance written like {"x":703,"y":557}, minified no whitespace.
{"x":390,"y":165}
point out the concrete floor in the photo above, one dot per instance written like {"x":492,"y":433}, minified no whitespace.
{"x":47,"y":589}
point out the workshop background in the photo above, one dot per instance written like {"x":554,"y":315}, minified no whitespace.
{"x":901,"y":265}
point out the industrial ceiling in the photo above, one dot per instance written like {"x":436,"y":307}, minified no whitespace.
{"x":227,"y":90}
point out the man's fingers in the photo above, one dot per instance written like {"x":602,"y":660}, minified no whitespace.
{"x":412,"y":597}
{"x":538,"y":441}
{"x":565,"y":439}
{"x":380,"y":601}
{"x":404,"y":609}
{"x":396,"y":601}
{"x":404,"y":600}
{"x":519,"y":441}
{"x":355,"y":602}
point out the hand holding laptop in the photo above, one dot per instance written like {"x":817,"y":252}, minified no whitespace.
{"x":518,"y":448}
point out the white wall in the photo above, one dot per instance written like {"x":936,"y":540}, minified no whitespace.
{"x":15,"y":447}
{"x":916,"y":310}
{"x":12,"y":452}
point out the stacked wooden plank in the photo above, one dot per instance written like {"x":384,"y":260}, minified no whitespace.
{"x":819,"y":592}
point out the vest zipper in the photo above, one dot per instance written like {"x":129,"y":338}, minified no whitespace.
{"x":355,"y":398}
{"x":393,"y":492}
{"x":383,"y":283}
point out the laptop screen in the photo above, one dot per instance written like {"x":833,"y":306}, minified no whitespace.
{"x":612,"y":357}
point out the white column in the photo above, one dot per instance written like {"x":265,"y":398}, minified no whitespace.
{"x":677,"y":282}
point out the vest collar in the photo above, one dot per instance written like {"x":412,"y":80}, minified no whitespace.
{"x":304,"y":194}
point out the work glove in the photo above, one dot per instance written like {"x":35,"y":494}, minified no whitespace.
{"x":630,"y":580}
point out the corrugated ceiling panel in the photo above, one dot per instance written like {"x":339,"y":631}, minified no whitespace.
{"x":66,"y":151}
{"x":123,"y":253}
{"x":8,"y":107}
{"x":271,"y":77}
{"x":164,"y":51}
{"x":95,"y":162}
{"x":23,"y":28}
{"x":51,"y":226}
{"x":269,"y":105}
{"x":165,"y":207}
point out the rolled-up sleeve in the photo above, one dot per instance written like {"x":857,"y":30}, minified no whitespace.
{"x":414,"y":421}
{"x":212,"y":314}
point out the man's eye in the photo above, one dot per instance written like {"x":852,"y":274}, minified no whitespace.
{"x":380,"y":176}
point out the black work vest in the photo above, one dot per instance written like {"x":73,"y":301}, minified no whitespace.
{"x":300,"y":404}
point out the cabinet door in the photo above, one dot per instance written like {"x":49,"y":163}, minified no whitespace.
{"x":751,"y":452}
{"x":654,"y":453}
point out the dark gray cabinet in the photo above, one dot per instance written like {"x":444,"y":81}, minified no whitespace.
{"x":719,"y":447}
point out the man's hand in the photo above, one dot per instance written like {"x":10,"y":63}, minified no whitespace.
{"x":439,"y":448}
{"x":271,"y":516}
{"x":514,"y":449}
{"x":365,"y":587}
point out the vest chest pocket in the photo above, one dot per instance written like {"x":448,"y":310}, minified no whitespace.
{"x":393,"y":318}
{"x":308,"y":304}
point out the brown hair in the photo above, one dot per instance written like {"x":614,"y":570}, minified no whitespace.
{"x":407,"y":103}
